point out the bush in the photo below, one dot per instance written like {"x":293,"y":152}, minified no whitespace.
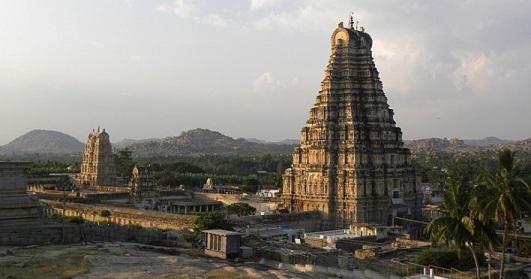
{"x":241,"y":209}
{"x":449,"y":258}
{"x":75,"y":219}
{"x":105,"y":213}
{"x":55,"y":216}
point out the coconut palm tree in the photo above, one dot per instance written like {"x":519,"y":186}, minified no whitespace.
{"x":455,"y":226}
{"x":503,"y":196}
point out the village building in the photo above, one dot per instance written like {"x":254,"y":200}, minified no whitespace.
{"x":351,"y":164}
{"x":222,"y":243}
{"x":97,"y":168}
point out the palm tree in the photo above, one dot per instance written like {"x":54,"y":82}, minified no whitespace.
{"x":503,"y":196}
{"x":455,"y":226}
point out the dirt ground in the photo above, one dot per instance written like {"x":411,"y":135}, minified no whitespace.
{"x":125,"y":260}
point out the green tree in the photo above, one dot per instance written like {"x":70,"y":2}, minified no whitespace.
{"x":241,"y":209}
{"x":455,"y":226}
{"x":250,"y":185}
{"x":123,"y":163}
{"x":209,"y":221}
{"x":503,"y":196}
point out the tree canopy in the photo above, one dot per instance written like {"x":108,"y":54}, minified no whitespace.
{"x":241,"y":209}
{"x":211,"y":220}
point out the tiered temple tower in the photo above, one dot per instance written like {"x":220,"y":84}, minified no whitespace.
{"x":351,"y":164}
{"x":142,"y":183}
{"x":98,"y":167}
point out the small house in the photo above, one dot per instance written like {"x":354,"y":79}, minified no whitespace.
{"x":222,"y":243}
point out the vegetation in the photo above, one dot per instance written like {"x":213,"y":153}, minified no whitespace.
{"x":472,"y":206}
{"x":75,"y":219}
{"x":224,"y":274}
{"x":105,"y":213}
{"x":224,"y":170}
{"x":241,"y":209}
{"x":455,"y":226}
{"x":250,"y":185}
{"x":449,"y":258}
{"x":209,"y":221}
{"x":40,"y":167}
{"x":503,"y":196}
{"x":123,"y":163}
{"x":68,"y":264}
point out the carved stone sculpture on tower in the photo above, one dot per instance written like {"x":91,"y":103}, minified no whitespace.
{"x":351,"y":164}
{"x":97,"y":168}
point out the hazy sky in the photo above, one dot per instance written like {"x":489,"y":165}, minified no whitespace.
{"x":252,"y":68}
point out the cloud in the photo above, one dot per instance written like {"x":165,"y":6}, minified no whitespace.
{"x":191,"y":9}
{"x":181,"y":8}
{"x":269,"y":83}
{"x":473,"y":72}
{"x":97,"y":44}
{"x":216,"y":20}
{"x":260,"y":4}
{"x":264,"y":82}
{"x":309,"y":17}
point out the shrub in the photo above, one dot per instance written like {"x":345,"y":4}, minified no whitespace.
{"x":75,"y":219}
{"x":449,"y":258}
{"x":105,"y":213}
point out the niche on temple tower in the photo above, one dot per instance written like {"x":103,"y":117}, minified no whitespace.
{"x":351,"y":164}
{"x":97,"y":168}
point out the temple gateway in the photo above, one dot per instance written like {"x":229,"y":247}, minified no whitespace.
{"x":351,"y":164}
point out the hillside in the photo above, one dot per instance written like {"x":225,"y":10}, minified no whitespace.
{"x":435,"y":147}
{"x":43,"y":142}
{"x":203,"y":141}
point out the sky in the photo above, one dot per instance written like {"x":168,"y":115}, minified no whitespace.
{"x":253,"y":68}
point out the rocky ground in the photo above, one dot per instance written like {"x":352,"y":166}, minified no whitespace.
{"x":124,"y":260}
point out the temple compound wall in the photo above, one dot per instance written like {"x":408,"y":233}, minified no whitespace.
{"x":351,"y":164}
{"x":121,"y":216}
{"x":97,"y":168}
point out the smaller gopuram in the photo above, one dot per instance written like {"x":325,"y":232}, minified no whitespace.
{"x":97,"y":168}
{"x":142,"y":183}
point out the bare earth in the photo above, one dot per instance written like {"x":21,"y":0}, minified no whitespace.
{"x":125,"y":260}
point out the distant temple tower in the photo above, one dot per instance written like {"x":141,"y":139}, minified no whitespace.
{"x":98,"y":167}
{"x":351,"y":164}
{"x":142,"y":183}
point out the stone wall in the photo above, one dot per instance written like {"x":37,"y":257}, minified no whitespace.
{"x":43,"y":234}
{"x":310,"y":221}
{"x":262,"y":204}
{"x":329,"y":271}
{"x":91,"y":232}
{"x":122,"y":216}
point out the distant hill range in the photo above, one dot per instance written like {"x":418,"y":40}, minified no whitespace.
{"x":202,"y":141}
{"x":43,"y":142}
{"x":456,"y":147}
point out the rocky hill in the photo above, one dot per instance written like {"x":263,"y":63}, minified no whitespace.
{"x":486,"y":141}
{"x":203,"y":141}
{"x":435,"y":147}
{"x":43,"y":142}
{"x":126,"y":142}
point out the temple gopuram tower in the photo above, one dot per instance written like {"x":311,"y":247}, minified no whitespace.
{"x":98,"y":167}
{"x":351,"y":164}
